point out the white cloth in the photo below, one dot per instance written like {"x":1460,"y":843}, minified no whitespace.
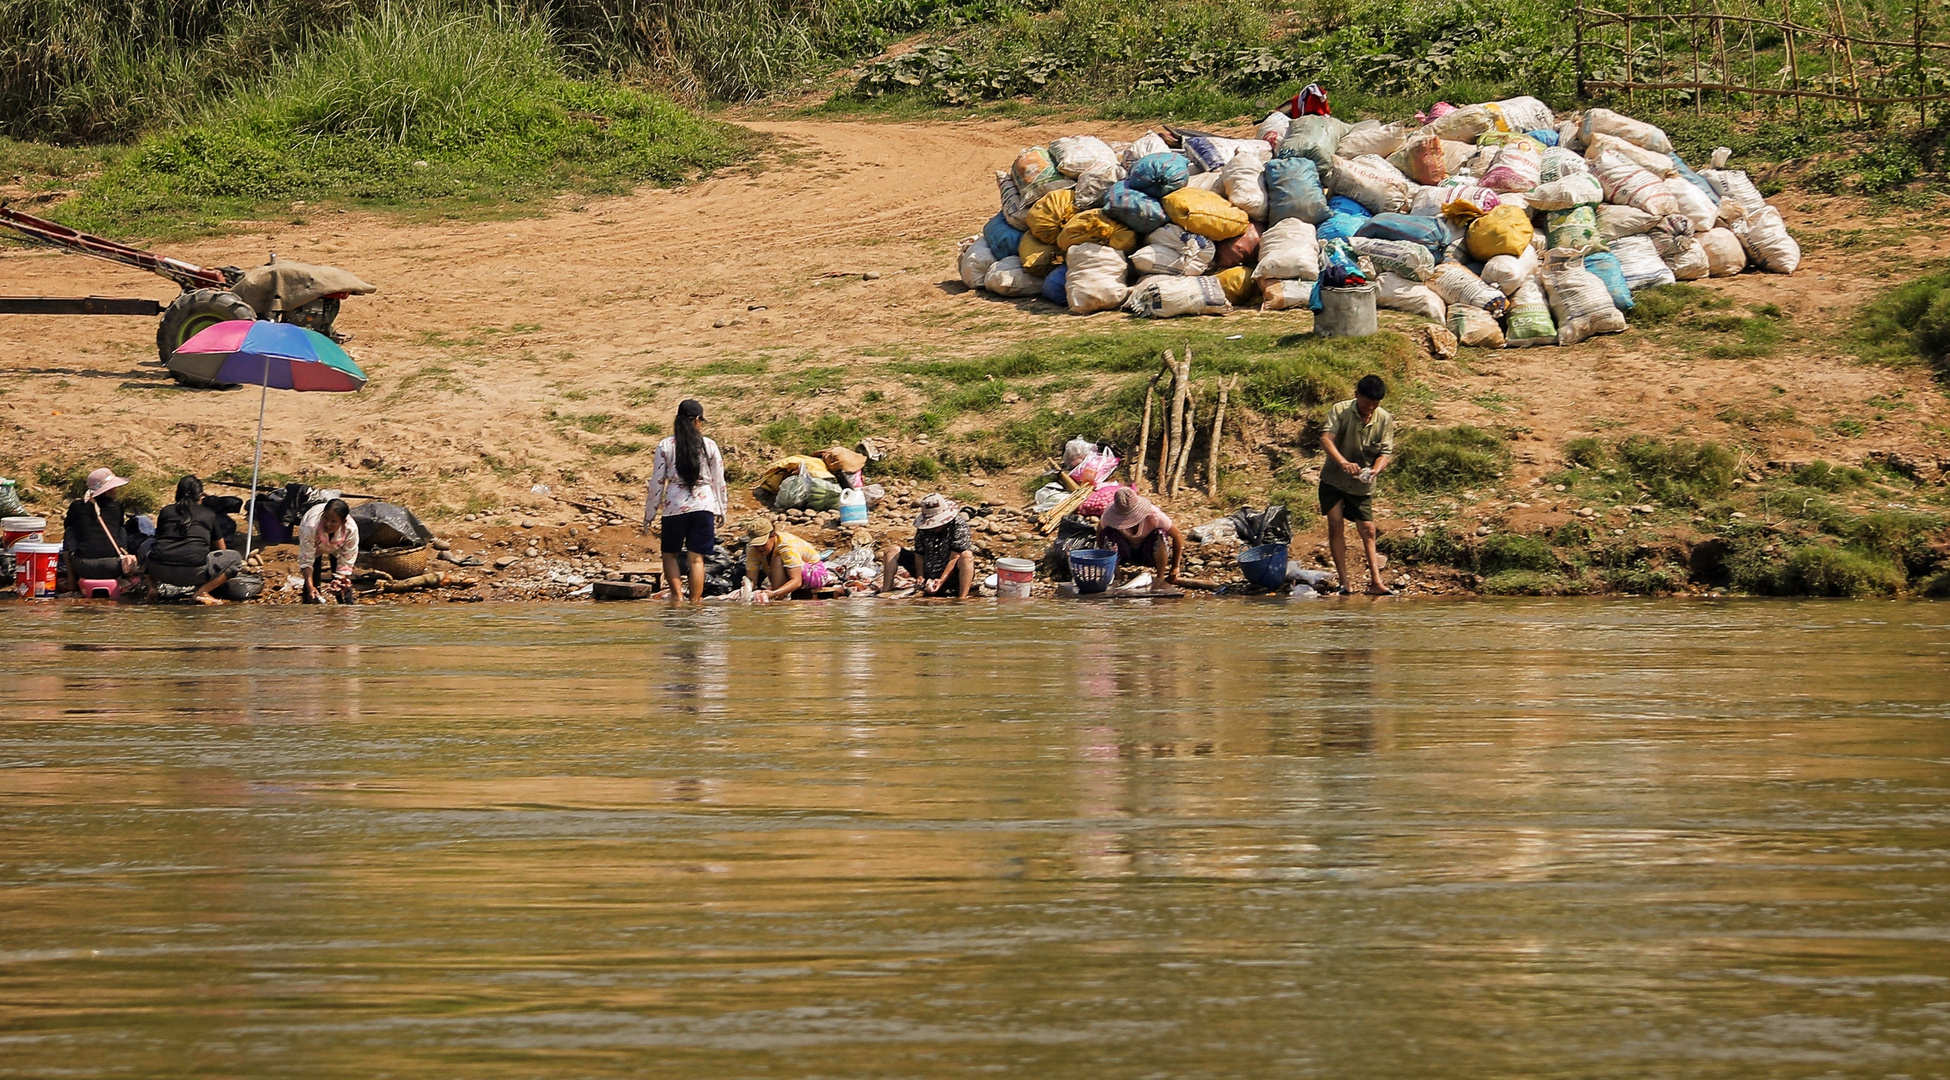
{"x":314,"y":541}
{"x":667,"y":487}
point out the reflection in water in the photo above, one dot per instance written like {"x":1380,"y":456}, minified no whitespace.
{"x":866,"y":840}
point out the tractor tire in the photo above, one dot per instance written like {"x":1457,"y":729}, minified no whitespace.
{"x":188,"y":315}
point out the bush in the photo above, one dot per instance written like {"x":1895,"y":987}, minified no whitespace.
{"x":1819,"y":570}
{"x":1588,"y":452}
{"x":1908,"y":324}
{"x":1434,"y":545}
{"x":1446,"y":459}
{"x":1529,"y":583}
{"x":1676,"y":470}
{"x":1509,"y":551}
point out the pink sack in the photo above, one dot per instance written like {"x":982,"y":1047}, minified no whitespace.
{"x":1095,"y":468}
{"x":1098,"y":501}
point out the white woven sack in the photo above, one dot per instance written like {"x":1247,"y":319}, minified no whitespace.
{"x":1692,"y":202}
{"x":1579,"y":189}
{"x":1639,"y":258}
{"x":1209,"y":181}
{"x":1078,"y":154}
{"x":1403,"y":258}
{"x":1171,"y":250}
{"x":1400,"y":294}
{"x":1559,"y":163}
{"x":1725,"y":255}
{"x":1276,"y":125}
{"x":1462,"y":125}
{"x":1474,"y":327}
{"x":1732,"y":184}
{"x":1509,"y":272}
{"x":1008,"y":278}
{"x":1658,"y":165}
{"x":1526,"y":114}
{"x":1244,"y":180}
{"x":1606,"y":122}
{"x":1277,"y":295}
{"x":1615,"y":221}
{"x":1369,"y":137}
{"x":1529,"y":321}
{"x":1290,"y":250}
{"x":1627,"y":184}
{"x":975,"y":259}
{"x":1171,"y":297}
{"x":1014,"y":210}
{"x":1093,"y":185}
{"x":1095,"y":279}
{"x":1148,"y":143}
{"x":1372,"y":182}
{"x":1688,"y":260}
{"x":1768,"y":244}
{"x":1579,"y":301}
{"x":1456,"y":285}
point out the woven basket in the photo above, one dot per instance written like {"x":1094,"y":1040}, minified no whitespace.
{"x":397,"y":563}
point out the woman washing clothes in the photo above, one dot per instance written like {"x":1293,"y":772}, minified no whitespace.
{"x":781,"y":561}
{"x":328,"y":548}
{"x":1143,"y":536}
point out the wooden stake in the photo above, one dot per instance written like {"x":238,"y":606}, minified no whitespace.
{"x":1212,"y":452}
{"x":1185,"y":451}
{"x":1173,"y":418}
{"x":1144,"y":433}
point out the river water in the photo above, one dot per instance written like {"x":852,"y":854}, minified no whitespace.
{"x":860,"y":839}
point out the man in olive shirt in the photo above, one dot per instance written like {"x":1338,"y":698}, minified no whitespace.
{"x":1359,"y":441}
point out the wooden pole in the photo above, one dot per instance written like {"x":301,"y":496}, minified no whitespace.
{"x":1848,"y":52}
{"x":1144,"y":434}
{"x":1922,"y":109}
{"x":1794,"y":65}
{"x":1577,"y":49}
{"x":1631,"y":98}
{"x":1168,"y":437}
{"x":1185,"y":448}
{"x":1212,"y":452}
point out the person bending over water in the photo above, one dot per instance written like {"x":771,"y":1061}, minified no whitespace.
{"x":687,"y":482}
{"x":189,"y":551}
{"x":781,"y":560}
{"x":328,"y":548}
{"x":1143,"y":535}
{"x":942,"y":549}
{"x":1359,"y":441}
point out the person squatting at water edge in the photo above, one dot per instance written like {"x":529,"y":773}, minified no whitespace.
{"x":687,"y":488}
{"x":1359,"y":440}
{"x":189,"y":550}
{"x":779,"y":563}
{"x":328,"y":548}
{"x":1143,"y":535}
{"x":942,"y":547}
{"x":95,"y":536}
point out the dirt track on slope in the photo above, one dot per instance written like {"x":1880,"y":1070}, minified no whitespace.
{"x":483,"y":330}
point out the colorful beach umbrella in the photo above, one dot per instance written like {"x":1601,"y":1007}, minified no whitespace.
{"x":267,"y":354}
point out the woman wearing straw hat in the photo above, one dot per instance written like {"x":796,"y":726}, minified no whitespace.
{"x":941,"y":548}
{"x":687,"y":483}
{"x":94,"y":540}
{"x":1142,"y":533}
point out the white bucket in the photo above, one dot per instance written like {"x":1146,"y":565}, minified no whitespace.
{"x":15,"y":529}
{"x":34,"y":571}
{"x":1013,"y":578}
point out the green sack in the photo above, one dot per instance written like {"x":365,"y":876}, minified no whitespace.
{"x":801,"y":491}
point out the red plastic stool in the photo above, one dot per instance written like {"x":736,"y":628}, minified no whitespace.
{"x":94,"y":587}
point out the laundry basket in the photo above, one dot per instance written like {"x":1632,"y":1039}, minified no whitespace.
{"x":1265,"y":565}
{"x":1093,"y":571}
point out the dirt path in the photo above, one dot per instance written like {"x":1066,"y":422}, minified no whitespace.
{"x":485,"y":335}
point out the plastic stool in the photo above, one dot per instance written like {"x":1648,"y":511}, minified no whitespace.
{"x":93,"y":587}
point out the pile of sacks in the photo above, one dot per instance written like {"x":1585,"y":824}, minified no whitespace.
{"x":1502,"y":220}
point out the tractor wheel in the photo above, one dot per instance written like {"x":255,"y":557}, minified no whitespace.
{"x":188,"y":315}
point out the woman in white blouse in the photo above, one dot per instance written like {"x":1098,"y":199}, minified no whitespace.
{"x":687,"y":483}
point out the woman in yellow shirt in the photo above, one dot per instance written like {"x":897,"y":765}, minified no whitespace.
{"x":782,"y":560}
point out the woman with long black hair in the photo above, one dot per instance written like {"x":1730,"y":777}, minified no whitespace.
{"x":189,"y":549}
{"x":687,"y":484}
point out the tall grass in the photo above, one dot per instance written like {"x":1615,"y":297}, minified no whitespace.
{"x":407,"y":105}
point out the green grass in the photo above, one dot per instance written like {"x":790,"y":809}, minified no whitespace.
{"x":1678,"y":470}
{"x":1448,"y":459}
{"x":1909,"y":324}
{"x":405,"y":109}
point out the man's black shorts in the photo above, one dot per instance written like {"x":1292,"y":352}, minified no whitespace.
{"x":695,"y":532}
{"x":1353,"y":507}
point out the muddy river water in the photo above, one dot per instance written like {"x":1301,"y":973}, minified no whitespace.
{"x":859,"y":839}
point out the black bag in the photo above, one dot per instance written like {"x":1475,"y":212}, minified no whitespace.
{"x":723,"y":573}
{"x":1271,"y":526}
{"x":384,"y":525}
{"x":241,"y":586}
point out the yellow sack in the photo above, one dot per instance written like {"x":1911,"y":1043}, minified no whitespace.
{"x":1239,"y":285}
{"x":1037,"y":257}
{"x":1503,"y":231}
{"x":1051,"y":213}
{"x":1206,"y":213}
{"x":1096,"y":227}
{"x":788,"y":466}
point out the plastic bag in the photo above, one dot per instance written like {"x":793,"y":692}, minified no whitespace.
{"x":803,"y":491}
{"x":1096,"y":227}
{"x":975,"y":260}
{"x":1095,"y":281}
{"x":1147,"y":144}
{"x":1212,"y":152}
{"x":1315,"y":138}
{"x":1078,"y":154}
{"x":1273,"y":129}
{"x":1725,"y":255}
{"x":1036,"y":174}
{"x":1237,"y":284}
{"x":1397,"y":293}
{"x":1402,"y":258}
{"x":1503,"y":231}
{"x":1529,"y":320}
{"x":1003,"y":238}
{"x":1288,"y":251}
{"x":1766,"y":239}
{"x":1162,"y":297}
{"x":1055,"y":287}
{"x":1425,"y":163}
{"x":1095,"y":468}
{"x":1158,"y":175}
{"x":1272,"y":525}
{"x":1171,"y":250}
{"x":1205,"y":213}
{"x":1037,"y":257}
{"x":1245,"y":185}
{"x":1049,"y":215}
{"x":1137,"y":210}
{"x":1094,"y":184}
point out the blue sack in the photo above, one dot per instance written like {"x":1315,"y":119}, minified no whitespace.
{"x":1547,"y":136}
{"x":1054,"y":289}
{"x":1293,"y":191}
{"x":1133,"y":209}
{"x":1341,"y":204}
{"x":1209,"y":156}
{"x":1694,"y":178}
{"x":1158,"y":175}
{"x":1339,"y":227}
{"x":1002,"y":238}
{"x":1610,"y":271}
{"x":1427,"y":231}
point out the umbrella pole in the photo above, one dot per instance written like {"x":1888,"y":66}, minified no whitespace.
{"x":250,"y":519}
